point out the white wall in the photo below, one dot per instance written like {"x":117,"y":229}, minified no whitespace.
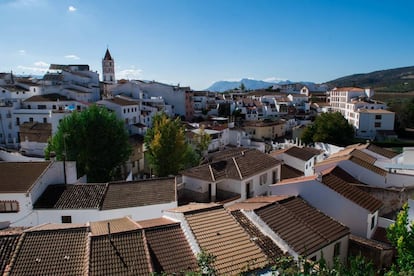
{"x":329,"y":202}
{"x":22,"y":218}
{"x":87,"y":215}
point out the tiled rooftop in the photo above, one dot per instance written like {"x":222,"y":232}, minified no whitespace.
{"x":333,"y":179}
{"x":104,"y":227}
{"x":7,"y":245}
{"x":265,"y":243}
{"x":169,"y":249}
{"x":381,"y":151}
{"x":122,"y":253}
{"x":57,"y":252}
{"x":18,"y":177}
{"x":289,"y":172}
{"x":81,"y":196}
{"x":139,"y":193}
{"x":235,"y":165}
{"x":303,"y":227}
{"x":54,"y":97}
{"x":218,"y":233}
{"x":304,"y":153}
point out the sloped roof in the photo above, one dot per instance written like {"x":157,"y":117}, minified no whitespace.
{"x":7,"y":246}
{"x":169,"y":249}
{"x":18,"y":177}
{"x":107,"y":55}
{"x":123,"y":253}
{"x":111,"y":226}
{"x":333,"y":179}
{"x":265,"y":243}
{"x":81,"y":196}
{"x":53,"y":97}
{"x":122,"y":102}
{"x":139,"y":193}
{"x":51,"y":252}
{"x":219,"y":234}
{"x":235,"y":165}
{"x":303,"y":227}
{"x":304,"y":153}
{"x":381,"y":151}
{"x":289,"y":172}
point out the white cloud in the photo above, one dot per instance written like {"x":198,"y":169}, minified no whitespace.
{"x":129,"y":74}
{"x":71,"y":9}
{"x":75,"y":57}
{"x":22,"y":52}
{"x":39,"y":67}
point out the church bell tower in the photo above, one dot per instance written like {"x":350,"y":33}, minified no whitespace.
{"x":108,"y":68}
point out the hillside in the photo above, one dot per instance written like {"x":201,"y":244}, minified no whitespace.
{"x":391,"y":80}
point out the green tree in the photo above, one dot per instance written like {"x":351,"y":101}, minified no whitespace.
{"x":202,"y":141}
{"x":330,"y":128}
{"x":166,"y":146}
{"x":95,"y":139}
{"x":242,"y":87}
{"x":401,"y":235}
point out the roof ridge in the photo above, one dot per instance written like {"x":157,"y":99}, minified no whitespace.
{"x":237,"y":167}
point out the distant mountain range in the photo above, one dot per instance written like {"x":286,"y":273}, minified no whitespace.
{"x":390,"y":80}
{"x":249,"y":84}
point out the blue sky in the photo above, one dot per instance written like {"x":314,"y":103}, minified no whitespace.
{"x":198,"y":42}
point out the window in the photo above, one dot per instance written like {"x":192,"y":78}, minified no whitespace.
{"x":17,"y":121}
{"x":337,"y":249}
{"x":263,"y":179}
{"x":377,"y":124}
{"x":66,"y":219}
{"x":31,"y":119}
{"x":45,"y":120}
{"x":372,"y":222}
{"x":9,"y":206}
{"x":378,"y":117}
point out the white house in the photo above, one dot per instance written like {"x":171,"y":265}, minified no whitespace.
{"x":235,"y":174}
{"x":22,"y":183}
{"x":299,"y":158}
{"x":286,"y":220}
{"x":80,"y":203}
{"x":331,"y":192}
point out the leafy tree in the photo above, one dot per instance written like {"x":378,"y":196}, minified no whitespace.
{"x":202,"y":141}
{"x":205,"y":262}
{"x":166,"y":146}
{"x":401,"y":235}
{"x":95,"y":139}
{"x":242,"y":87}
{"x":330,"y":128}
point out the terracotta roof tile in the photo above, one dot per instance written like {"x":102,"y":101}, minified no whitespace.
{"x":148,"y":223}
{"x":7,"y":246}
{"x":219,"y":234}
{"x":304,"y":153}
{"x":139,"y":193}
{"x":289,"y":172}
{"x":381,"y":151}
{"x":123,"y":253}
{"x":303,"y":227}
{"x":18,"y":177}
{"x":234,"y":165}
{"x":51,"y":252}
{"x":103,"y":227}
{"x":265,"y":243}
{"x":368,"y":166}
{"x":81,"y":196}
{"x":334,"y":181}
{"x":364,"y":156}
{"x":170,"y":250}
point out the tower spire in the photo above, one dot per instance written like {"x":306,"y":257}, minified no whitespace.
{"x":108,"y":68}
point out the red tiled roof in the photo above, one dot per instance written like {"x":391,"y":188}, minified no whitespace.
{"x":123,"y":253}
{"x":169,"y":249}
{"x":381,"y":151}
{"x":289,"y":172}
{"x":304,"y":153}
{"x":104,"y":227}
{"x":7,"y":246}
{"x":219,"y":234}
{"x":333,"y":180}
{"x":139,"y":193}
{"x":51,"y":252}
{"x":238,"y":166}
{"x":18,"y":177}
{"x":300,"y":225}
